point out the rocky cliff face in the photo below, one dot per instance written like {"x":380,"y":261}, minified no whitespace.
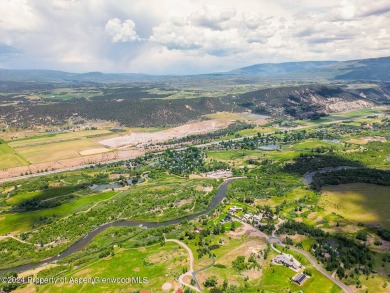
{"x":305,"y":101}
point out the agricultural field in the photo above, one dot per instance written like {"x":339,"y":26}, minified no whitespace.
{"x":9,"y":157}
{"x":52,"y":147}
{"x":56,"y":151}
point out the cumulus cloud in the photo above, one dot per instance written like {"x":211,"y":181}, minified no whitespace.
{"x":18,"y":16}
{"x":212,"y":17}
{"x":121,"y":31}
{"x":214,"y":31}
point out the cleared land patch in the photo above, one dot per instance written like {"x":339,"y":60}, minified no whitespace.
{"x":161,"y":136}
{"x":358,"y":202}
{"x":94,"y":151}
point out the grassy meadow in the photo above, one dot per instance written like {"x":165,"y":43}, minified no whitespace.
{"x":358,"y":202}
{"x":9,"y":157}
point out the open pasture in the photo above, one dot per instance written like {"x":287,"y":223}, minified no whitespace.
{"x":358,"y":202}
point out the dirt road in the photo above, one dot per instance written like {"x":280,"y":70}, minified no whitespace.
{"x":191,"y":270}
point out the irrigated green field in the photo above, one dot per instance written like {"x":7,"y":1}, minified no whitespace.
{"x":359,"y":202}
{"x":9,"y":158}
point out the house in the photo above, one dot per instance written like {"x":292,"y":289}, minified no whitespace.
{"x":257,"y":218}
{"x":234,"y":209}
{"x":299,"y":278}
{"x":247,"y":217}
{"x":288,"y":260}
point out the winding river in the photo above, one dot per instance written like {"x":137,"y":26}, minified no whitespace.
{"x":81,"y":243}
{"x":218,"y":197}
{"x":308,"y":177}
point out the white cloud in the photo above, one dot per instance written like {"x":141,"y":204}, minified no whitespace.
{"x":121,"y":31}
{"x":377,"y":7}
{"x":345,"y":11}
{"x":18,"y":16}
{"x":215,"y":32}
{"x":188,"y":36}
{"x":212,"y":17}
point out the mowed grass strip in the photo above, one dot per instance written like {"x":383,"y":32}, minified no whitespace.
{"x":9,"y":158}
{"x":358,"y":202}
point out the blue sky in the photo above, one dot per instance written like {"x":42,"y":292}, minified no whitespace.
{"x":187,"y":36}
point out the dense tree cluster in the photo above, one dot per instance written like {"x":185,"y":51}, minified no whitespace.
{"x":187,"y":161}
{"x":292,"y":228}
{"x":207,"y":137}
{"x":128,"y":112}
{"x":307,"y":162}
{"x":361,"y":175}
{"x":384,"y":234}
{"x":279,"y":137}
{"x":250,"y":189}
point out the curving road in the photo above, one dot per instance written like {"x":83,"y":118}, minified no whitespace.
{"x":191,"y":271}
{"x":319,"y":268}
{"x":276,"y":240}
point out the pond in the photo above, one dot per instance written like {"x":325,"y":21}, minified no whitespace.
{"x":332,"y":140}
{"x":102,"y":187}
{"x":270,"y":147}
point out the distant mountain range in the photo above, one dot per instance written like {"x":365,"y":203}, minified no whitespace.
{"x":365,"y":69}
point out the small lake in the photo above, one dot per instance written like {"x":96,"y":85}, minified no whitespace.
{"x":332,"y":140}
{"x":102,"y":187}
{"x":270,"y":147}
